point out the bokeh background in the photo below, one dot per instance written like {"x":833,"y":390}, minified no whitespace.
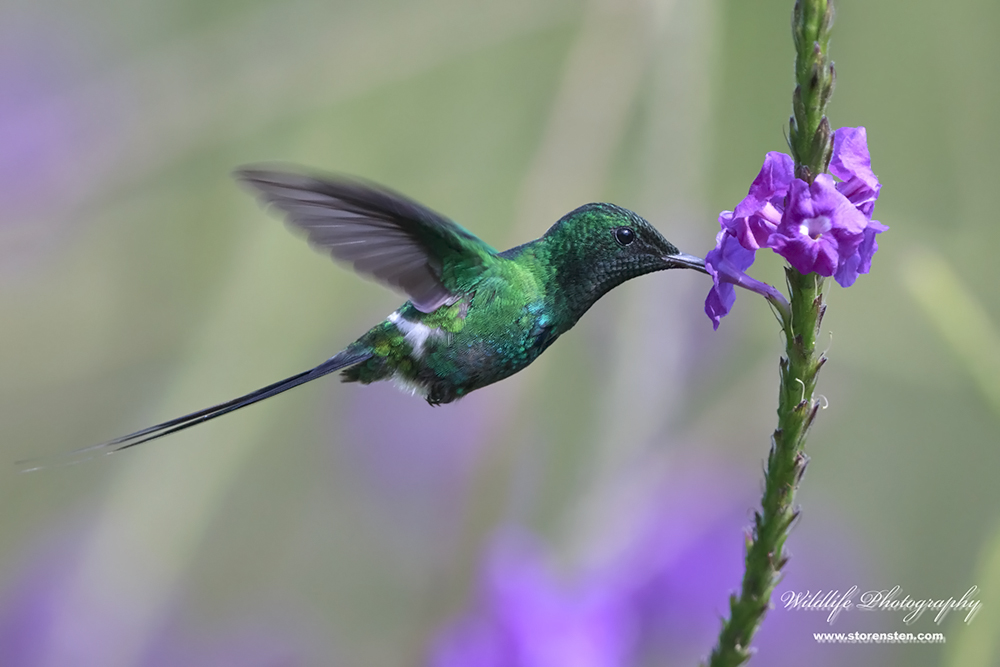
{"x":348,"y":525}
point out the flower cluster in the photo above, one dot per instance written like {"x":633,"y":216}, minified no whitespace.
{"x":823,"y":227}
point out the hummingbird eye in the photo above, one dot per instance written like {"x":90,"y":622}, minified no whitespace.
{"x":624,"y":236}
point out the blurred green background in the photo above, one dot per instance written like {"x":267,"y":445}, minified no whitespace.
{"x":341,"y":524}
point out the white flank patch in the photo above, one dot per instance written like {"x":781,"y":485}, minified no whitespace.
{"x":415,"y":333}
{"x":410,"y":386}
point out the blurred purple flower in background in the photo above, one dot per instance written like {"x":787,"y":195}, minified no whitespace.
{"x":41,"y":130}
{"x":656,"y":597}
{"x":61,"y":123}
{"x":36,"y":131}
{"x":32,"y":609}
{"x":824,"y":227}
{"x":531,"y":620}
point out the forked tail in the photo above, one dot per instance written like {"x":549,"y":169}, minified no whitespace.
{"x":342,"y":360}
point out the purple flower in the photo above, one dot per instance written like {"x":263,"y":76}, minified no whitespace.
{"x":757,"y":216}
{"x":825,"y":227}
{"x":726,"y":263}
{"x":820,"y":228}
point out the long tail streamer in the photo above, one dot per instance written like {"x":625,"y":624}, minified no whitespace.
{"x":335,"y":363}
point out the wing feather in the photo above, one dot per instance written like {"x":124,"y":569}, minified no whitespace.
{"x":381,"y":233}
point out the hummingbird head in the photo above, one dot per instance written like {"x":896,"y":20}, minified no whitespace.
{"x":597,"y":247}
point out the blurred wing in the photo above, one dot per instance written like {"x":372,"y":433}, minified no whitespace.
{"x":383,"y":234}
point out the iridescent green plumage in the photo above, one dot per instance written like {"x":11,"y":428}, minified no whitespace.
{"x":475,"y":315}
{"x":508,"y":313}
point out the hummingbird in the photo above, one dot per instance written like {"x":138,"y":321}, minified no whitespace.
{"x":474,"y":315}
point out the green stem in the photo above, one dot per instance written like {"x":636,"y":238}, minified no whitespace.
{"x":809,"y":131}
{"x":811,"y":146}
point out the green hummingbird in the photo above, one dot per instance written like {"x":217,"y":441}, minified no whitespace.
{"x":474,"y":315}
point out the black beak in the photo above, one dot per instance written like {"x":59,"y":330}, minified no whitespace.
{"x":684,"y":261}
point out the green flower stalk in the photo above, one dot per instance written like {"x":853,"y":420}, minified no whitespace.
{"x":809,"y":130}
{"x":812,"y":147}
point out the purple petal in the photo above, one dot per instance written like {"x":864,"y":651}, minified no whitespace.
{"x":752,"y":232}
{"x":729,"y":258}
{"x":725,"y":263}
{"x":860,"y":195}
{"x":772,"y":182}
{"x":827,"y":200}
{"x":756,"y":217}
{"x":719,"y":302}
{"x":850,"y":157}
{"x":819,"y":227}
{"x":807,"y":255}
{"x":852,"y":164}
{"x":861,"y":260}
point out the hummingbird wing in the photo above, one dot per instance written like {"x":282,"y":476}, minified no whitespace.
{"x":381,"y":233}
